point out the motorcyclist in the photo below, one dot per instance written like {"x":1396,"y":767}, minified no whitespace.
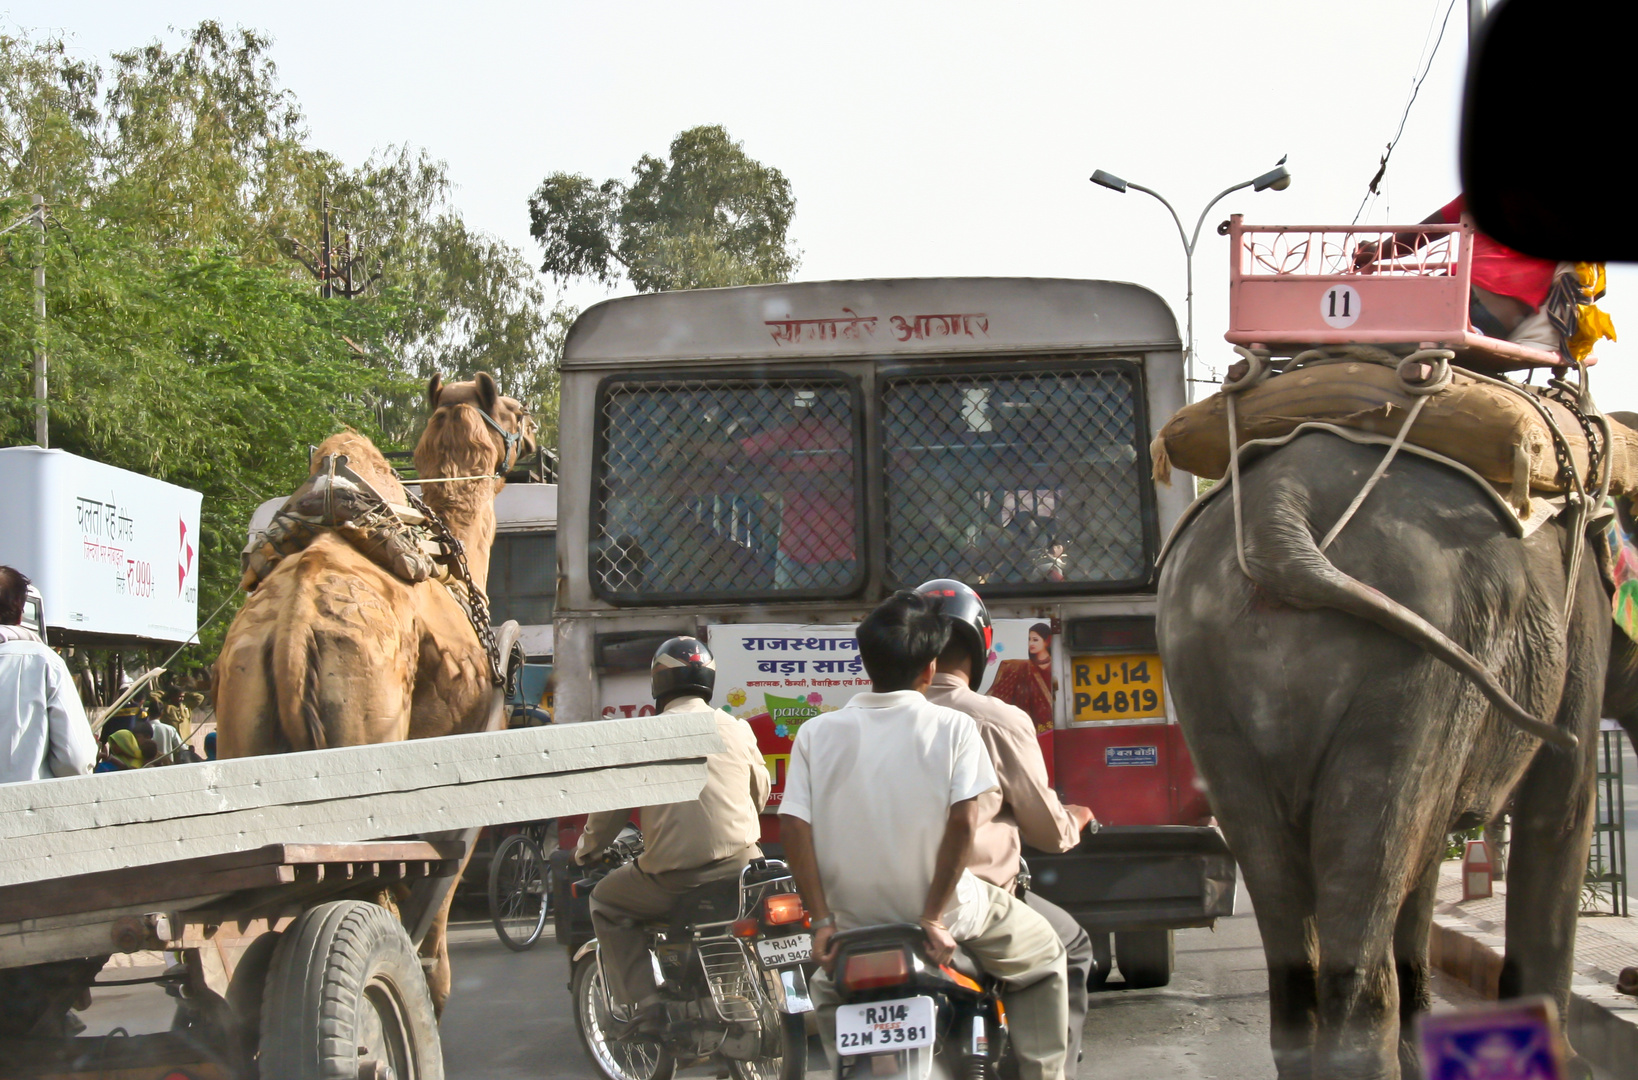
{"x":880,"y":810}
{"x":1024,"y":807}
{"x":685,"y":845}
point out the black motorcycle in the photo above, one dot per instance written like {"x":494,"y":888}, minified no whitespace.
{"x":731,"y":960}
{"x":901,"y":1014}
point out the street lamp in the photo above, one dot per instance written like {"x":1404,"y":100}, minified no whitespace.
{"x":1276,"y":179}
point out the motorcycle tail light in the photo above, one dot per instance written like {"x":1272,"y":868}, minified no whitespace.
{"x":867,"y":971}
{"x":783,"y":908}
{"x":744,"y":928}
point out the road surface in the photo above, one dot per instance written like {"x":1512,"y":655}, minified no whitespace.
{"x":509,"y":1019}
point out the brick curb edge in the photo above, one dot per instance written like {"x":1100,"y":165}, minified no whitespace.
{"x":1603,"y":1024}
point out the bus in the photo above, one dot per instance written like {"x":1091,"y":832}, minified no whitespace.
{"x":760,"y":466}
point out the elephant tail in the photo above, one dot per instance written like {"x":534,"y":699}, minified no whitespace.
{"x":1282,"y":557}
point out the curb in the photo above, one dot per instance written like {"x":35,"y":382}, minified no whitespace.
{"x":1602,"y":1025}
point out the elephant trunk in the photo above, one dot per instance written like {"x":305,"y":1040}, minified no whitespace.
{"x":1282,"y":557}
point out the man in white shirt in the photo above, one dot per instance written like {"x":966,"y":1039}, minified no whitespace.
{"x":880,"y":809}
{"x":43,"y":730}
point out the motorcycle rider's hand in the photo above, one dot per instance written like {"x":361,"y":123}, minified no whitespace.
{"x":941,"y":946}
{"x":823,"y":950}
{"x":1081,"y":815}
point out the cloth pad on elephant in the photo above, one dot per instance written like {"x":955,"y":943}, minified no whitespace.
{"x":1492,"y":431}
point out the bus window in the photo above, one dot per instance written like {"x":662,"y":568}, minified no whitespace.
{"x":1028,"y":478}
{"x":722,"y":487}
{"x":523,"y":578}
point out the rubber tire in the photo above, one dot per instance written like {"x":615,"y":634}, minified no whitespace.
{"x":328,"y":971}
{"x":793,"y":1031}
{"x":584,"y":982}
{"x":1103,"y":961}
{"x":496,"y":863}
{"x":1145,"y":957}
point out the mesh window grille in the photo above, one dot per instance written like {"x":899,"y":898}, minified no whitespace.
{"x":732,"y":488}
{"x":1013,"y":479}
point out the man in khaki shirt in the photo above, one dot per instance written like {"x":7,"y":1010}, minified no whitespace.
{"x":1024,"y":808}
{"x":685,"y":845}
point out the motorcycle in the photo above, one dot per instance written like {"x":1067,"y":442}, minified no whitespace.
{"x":900,"y":1015}
{"x":732,"y":961}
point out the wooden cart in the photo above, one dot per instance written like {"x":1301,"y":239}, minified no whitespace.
{"x":297,"y":961}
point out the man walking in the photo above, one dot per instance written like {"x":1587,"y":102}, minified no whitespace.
{"x":43,"y":729}
{"x":881,"y":806}
{"x":1024,"y":807}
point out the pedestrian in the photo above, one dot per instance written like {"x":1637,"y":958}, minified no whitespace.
{"x":120,"y":752}
{"x":43,"y":729}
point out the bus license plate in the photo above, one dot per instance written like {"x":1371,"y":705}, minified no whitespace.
{"x":779,"y":951}
{"x":1117,"y":688}
{"x":884,"y":1025}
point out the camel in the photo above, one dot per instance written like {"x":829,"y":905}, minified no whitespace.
{"x":332,"y":650}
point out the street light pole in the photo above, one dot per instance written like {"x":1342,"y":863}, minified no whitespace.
{"x":1276,"y":179}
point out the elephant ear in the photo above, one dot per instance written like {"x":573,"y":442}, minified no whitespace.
{"x":488,"y":392}
{"x":435,"y":390}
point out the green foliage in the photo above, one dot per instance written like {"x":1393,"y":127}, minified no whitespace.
{"x":709,"y":216}
{"x":186,"y":338}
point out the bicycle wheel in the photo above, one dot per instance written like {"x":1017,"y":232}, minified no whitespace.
{"x":517,"y":892}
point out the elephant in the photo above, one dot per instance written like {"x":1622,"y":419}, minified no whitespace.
{"x":1339,"y":751}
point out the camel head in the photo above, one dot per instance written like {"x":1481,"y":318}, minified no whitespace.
{"x":470,"y":427}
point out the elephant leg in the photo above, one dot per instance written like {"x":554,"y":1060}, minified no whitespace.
{"x":1552,"y":830}
{"x":1278,"y":878}
{"x":1367,"y":859}
{"x":1410,"y":952}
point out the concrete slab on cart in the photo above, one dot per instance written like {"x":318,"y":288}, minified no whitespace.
{"x":109,"y":821}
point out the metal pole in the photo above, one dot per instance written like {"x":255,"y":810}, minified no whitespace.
{"x":324,"y":244}
{"x":1475,"y":19}
{"x":42,"y":424}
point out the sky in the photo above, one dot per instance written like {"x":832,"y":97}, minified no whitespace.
{"x":945,"y":138}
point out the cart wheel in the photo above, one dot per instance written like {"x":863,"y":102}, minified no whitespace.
{"x":1145,"y":957}
{"x":518,"y":888}
{"x":345,"y":998}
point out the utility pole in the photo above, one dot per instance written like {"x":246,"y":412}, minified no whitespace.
{"x":42,"y":423}
{"x":331,"y":265}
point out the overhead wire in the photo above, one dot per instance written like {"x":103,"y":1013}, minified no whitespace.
{"x":1382,"y":166}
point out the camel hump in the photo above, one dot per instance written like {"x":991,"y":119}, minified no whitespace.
{"x":364,"y":459}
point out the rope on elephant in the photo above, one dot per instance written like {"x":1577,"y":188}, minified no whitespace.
{"x":1421,"y":374}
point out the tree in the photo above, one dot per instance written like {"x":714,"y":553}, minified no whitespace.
{"x":185,"y":340}
{"x":709,"y":216}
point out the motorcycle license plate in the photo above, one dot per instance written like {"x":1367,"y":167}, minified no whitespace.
{"x":884,"y":1025}
{"x":779,"y":951}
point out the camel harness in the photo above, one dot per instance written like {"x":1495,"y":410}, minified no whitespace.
{"x":410,"y":542}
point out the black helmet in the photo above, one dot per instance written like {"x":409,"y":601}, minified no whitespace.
{"x":683,"y":665}
{"x":969,"y":620}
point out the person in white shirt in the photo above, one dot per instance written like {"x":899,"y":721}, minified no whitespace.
{"x":43,"y":729}
{"x":880,"y":809}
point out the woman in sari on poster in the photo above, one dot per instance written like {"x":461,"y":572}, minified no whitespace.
{"x":1028,"y":683}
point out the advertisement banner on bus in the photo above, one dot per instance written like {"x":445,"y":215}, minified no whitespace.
{"x":776,"y":676}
